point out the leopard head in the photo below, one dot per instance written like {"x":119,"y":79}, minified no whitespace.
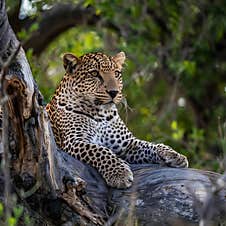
{"x":96,"y":76}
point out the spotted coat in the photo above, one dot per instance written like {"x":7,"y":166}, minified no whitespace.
{"x":87,"y":125}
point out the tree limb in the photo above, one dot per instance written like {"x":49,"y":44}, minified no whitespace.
{"x":61,"y":17}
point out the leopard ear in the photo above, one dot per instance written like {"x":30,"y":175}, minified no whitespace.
{"x":70,"y":62}
{"x":119,"y":59}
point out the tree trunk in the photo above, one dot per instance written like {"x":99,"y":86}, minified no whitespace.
{"x":60,"y":190}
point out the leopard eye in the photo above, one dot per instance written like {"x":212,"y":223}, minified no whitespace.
{"x":94,"y":73}
{"x":97,"y":75}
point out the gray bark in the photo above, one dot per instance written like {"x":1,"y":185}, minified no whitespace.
{"x":159,"y":196}
{"x":61,"y":190}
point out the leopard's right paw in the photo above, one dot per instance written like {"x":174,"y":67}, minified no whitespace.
{"x":119,"y":177}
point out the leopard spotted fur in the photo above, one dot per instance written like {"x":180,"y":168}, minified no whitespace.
{"x":86,"y":123}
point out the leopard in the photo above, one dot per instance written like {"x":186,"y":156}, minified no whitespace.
{"x":86,"y":123}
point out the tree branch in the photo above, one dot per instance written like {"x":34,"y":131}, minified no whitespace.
{"x":61,"y":17}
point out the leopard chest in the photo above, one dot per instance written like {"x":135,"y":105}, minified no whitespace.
{"x":111,"y":134}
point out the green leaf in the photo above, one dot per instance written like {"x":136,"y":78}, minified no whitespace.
{"x":34,"y":27}
{"x":1,"y":209}
{"x":88,"y":3}
{"x":18,"y":211}
{"x":11,"y":221}
{"x":174,"y":125}
{"x":189,"y":67}
{"x":22,"y":35}
{"x":27,"y":220}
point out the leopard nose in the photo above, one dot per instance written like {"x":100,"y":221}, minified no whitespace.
{"x":112,"y":93}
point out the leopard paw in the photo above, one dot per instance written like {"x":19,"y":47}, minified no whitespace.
{"x":177,"y":161}
{"x":171,"y":158}
{"x":120,"y":177}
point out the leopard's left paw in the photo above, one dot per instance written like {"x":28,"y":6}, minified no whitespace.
{"x":171,"y":158}
{"x":176,"y":160}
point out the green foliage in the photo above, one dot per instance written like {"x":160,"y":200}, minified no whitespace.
{"x":17,"y":211}
{"x":174,"y":77}
{"x":1,"y":209}
{"x":11,"y":221}
{"x":17,"y":216}
{"x":177,"y":132}
{"x":24,"y":35}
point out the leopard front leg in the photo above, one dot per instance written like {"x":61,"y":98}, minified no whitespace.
{"x":114,"y":170}
{"x":139,"y":151}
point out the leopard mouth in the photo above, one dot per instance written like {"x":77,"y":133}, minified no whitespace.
{"x":100,"y":102}
{"x":113,"y":101}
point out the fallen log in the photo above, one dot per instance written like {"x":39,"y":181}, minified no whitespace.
{"x":60,"y":190}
